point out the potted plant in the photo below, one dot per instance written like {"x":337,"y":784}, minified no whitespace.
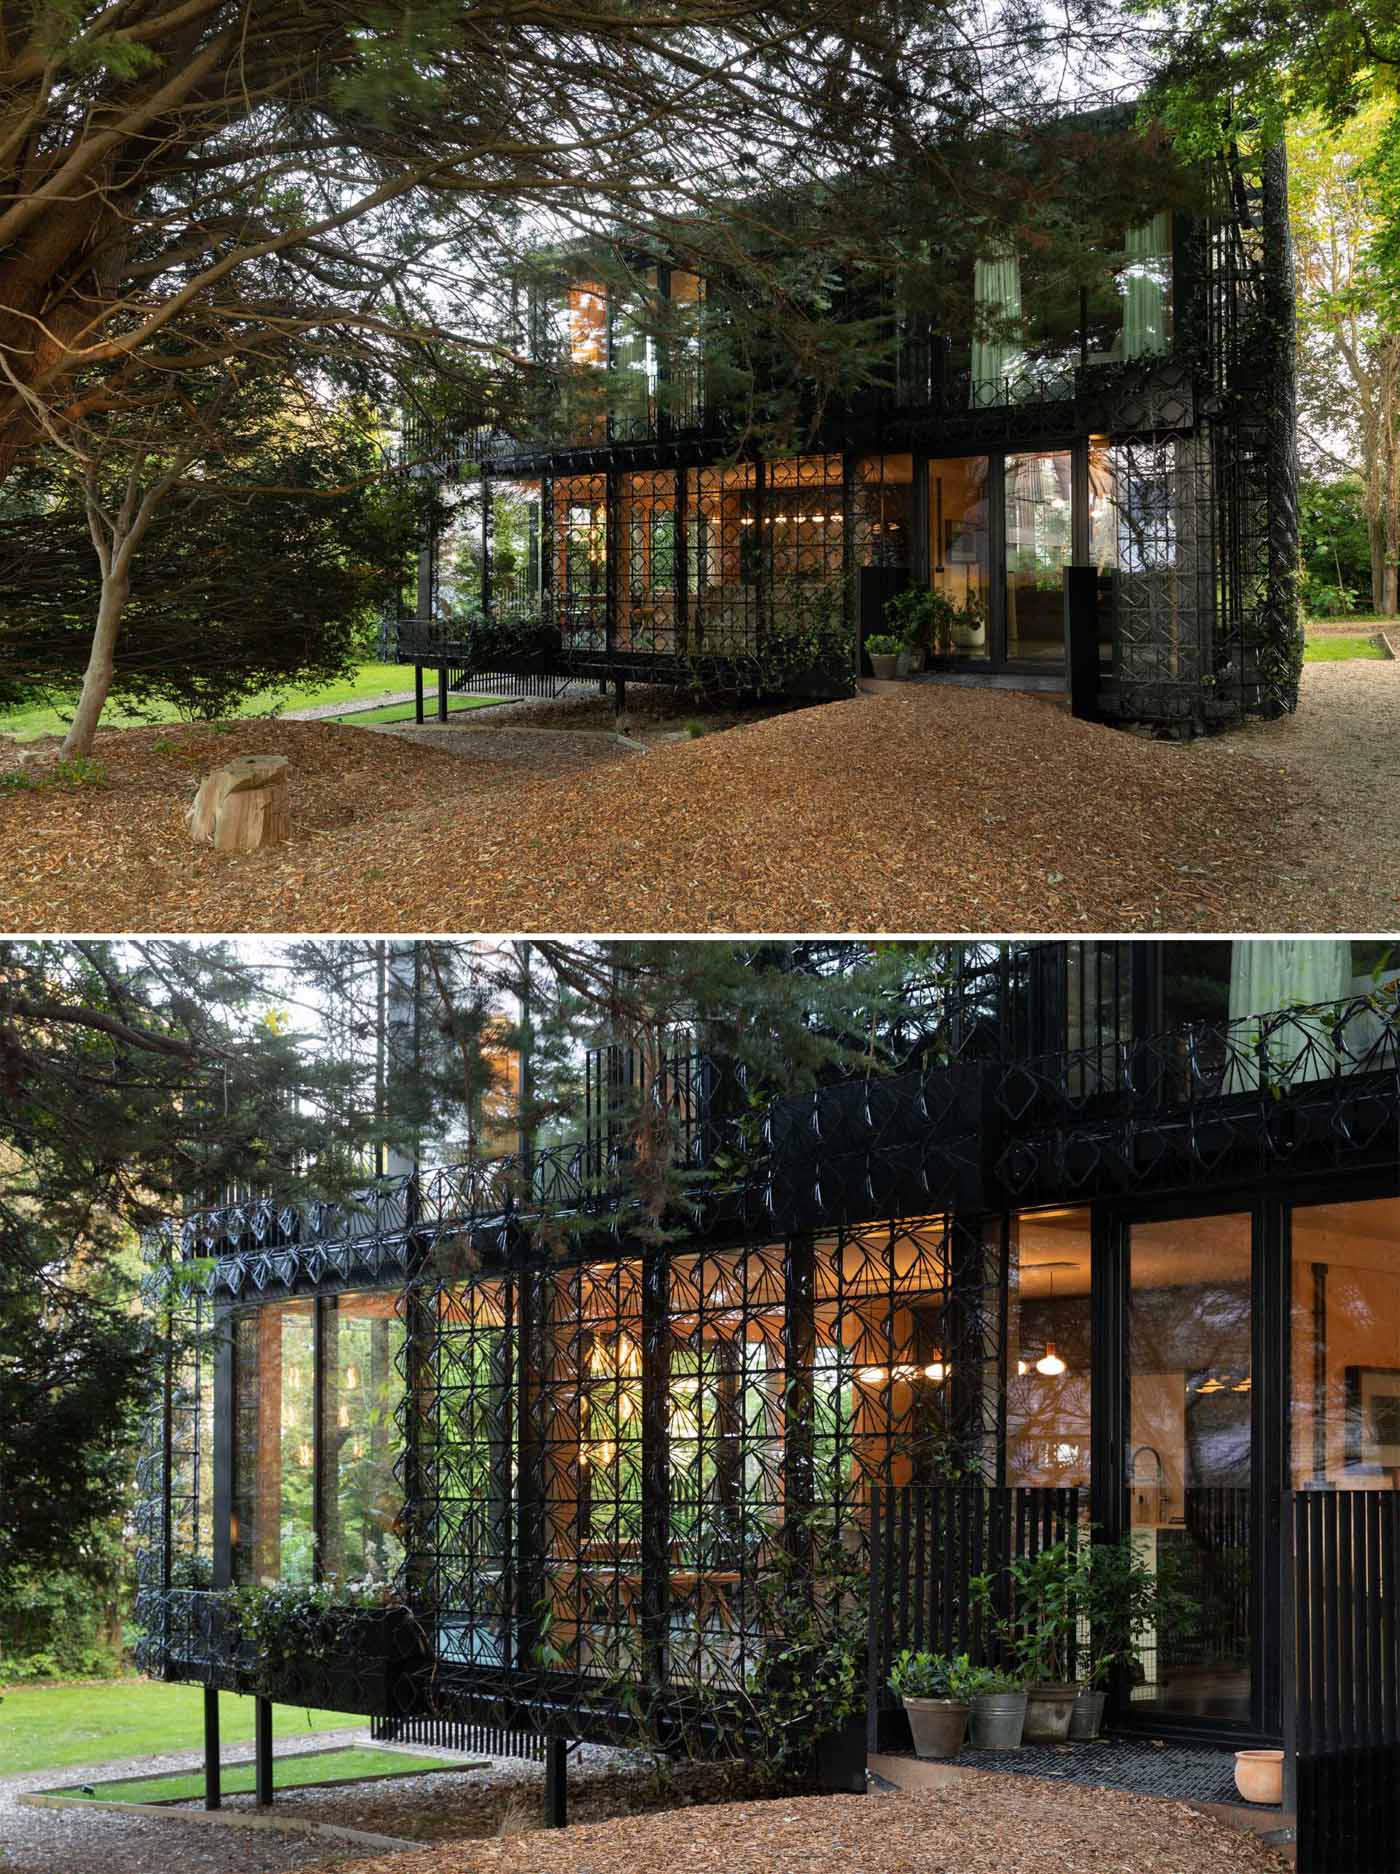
{"x":883,"y":651}
{"x":996,"y":1709}
{"x":934,"y":1690}
{"x":969,"y":628}
{"x":1121,"y":1600}
{"x":1039,"y":1634}
{"x":924,"y":621}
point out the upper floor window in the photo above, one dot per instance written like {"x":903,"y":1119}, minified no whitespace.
{"x":1032,"y":325}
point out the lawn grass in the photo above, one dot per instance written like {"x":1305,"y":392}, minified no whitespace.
{"x":321,"y":1766}
{"x":403,"y":712}
{"x":369,"y":681}
{"x":47,"y":1726}
{"x":1326,"y":650}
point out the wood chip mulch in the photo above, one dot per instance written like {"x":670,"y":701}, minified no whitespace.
{"x":993,"y":1825}
{"x":939,"y":809}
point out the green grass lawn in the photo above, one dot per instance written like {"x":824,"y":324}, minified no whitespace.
{"x":48,"y":1726}
{"x":369,"y":681}
{"x":321,"y":1766}
{"x":403,"y":712}
{"x":1325,"y":650}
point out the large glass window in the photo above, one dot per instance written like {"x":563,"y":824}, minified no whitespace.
{"x":1345,"y":1415}
{"x":960,"y":558}
{"x":273,"y":1535}
{"x":1048,"y":1363}
{"x":361,"y":1386}
{"x":1039,"y":545}
{"x":278,"y":1444}
{"x":1188,"y":1457}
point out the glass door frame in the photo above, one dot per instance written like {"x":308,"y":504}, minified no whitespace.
{"x":1112,"y":1435}
{"x":997,"y":662}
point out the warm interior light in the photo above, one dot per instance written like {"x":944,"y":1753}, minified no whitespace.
{"x":1050,"y":1363}
{"x":343,"y":1417}
{"x":352,"y":1378}
{"x":872,"y":1376}
{"x":1212,"y":1385}
{"x":936,"y":1370}
{"x":1243,"y":1385}
{"x":1021,"y":1369}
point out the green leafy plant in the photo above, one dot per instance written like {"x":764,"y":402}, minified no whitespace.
{"x":987,"y":1681}
{"x":272,"y":1628}
{"x":79,"y":771}
{"x":1038,"y":1633}
{"x":933,"y":1675}
{"x":882,"y":644}
{"x":1122,"y":1599}
{"x":813,"y":1605}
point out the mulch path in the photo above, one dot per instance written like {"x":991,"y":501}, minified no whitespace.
{"x":998,"y":1826}
{"x":930,"y":810}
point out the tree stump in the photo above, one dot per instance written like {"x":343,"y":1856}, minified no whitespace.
{"x":243,"y":805}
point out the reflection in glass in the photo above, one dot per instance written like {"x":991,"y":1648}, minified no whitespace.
{"x":274,"y":1449}
{"x":1048,"y":1380}
{"x":959,"y":547}
{"x":1038,"y":548}
{"x":1188,"y":1462}
{"x":360,"y":1440}
{"x":1345,"y":1416}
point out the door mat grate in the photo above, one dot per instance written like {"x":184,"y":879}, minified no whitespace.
{"x":1194,"y":1773}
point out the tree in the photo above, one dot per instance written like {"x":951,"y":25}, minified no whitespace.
{"x":1334,"y":544}
{"x":1348,"y":351}
{"x":269,"y":569}
{"x":135,"y":1080}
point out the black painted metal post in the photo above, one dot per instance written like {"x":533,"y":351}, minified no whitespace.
{"x":212,"y":1792}
{"x":656,"y":1468}
{"x":262,"y":1752}
{"x":442,"y":693}
{"x":417,"y":692}
{"x":556,"y":1782}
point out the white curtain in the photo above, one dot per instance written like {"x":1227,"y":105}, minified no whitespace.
{"x":1272,"y":974}
{"x":1145,"y":281}
{"x":996,"y":310}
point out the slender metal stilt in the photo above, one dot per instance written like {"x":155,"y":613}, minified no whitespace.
{"x":442,"y":692}
{"x":213,"y":1795}
{"x":417,"y":692}
{"x":556,"y":1782}
{"x":262,"y":1752}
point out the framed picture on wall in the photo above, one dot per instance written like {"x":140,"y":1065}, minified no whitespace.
{"x":1373,"y":1416}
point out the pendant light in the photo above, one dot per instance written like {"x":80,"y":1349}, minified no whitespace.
{"x":1050,"y":1363}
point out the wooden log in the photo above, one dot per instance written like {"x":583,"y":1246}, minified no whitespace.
{"x":242,"y":806}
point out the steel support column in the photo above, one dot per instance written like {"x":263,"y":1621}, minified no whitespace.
{"x":262,"y":1752}
{"x":212,"y":1792}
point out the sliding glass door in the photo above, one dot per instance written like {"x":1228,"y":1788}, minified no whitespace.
{"x":1001,"y":530}
{"x":1189,"y":1461}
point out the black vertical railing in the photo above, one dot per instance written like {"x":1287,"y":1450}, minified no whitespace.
{"x":1344,"y":1719}
{"x":927,"y":1542}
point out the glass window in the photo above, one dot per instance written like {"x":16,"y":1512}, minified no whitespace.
{"x":1039,"y":545}
{"x":361,"y":1441}
{"x":1048,"y":1367}
{"x":960,"y":547}
{"x":685,"y":391}
{"x":1190,"y":1357}
{"x":884,"y":510}
{"x":274,"y":1443}
{"x":1345,"y":1415}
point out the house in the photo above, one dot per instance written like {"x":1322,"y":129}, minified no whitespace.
{"x":1100,"y":483}
{"x":1122,"y":1243}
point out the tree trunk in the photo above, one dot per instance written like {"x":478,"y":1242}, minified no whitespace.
{"x":102,"y":663}
{"x":1377,"y":541}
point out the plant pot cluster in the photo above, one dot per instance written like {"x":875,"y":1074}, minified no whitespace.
{"x":1060,"y":1620}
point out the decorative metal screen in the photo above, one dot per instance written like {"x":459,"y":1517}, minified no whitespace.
{"x":651,"y":554}
{"x":723,"y":559}
{"x":580,"y":551}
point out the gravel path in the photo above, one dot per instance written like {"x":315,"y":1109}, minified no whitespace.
{"x":506,"y":1793}
{"x":1338,"y":853}
{"x":1000,"y":1825}
{"x":532,"y":754}
{"x":100,"y":1841}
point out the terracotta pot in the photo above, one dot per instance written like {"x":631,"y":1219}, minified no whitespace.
{"x":996,"y":1719}
{"x":1087,"y":1716}
{"x":1049,"y":1709}
{"x":938,"y":1724}
{"x":1259,"y":1775}
{"x":885,"y":664}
